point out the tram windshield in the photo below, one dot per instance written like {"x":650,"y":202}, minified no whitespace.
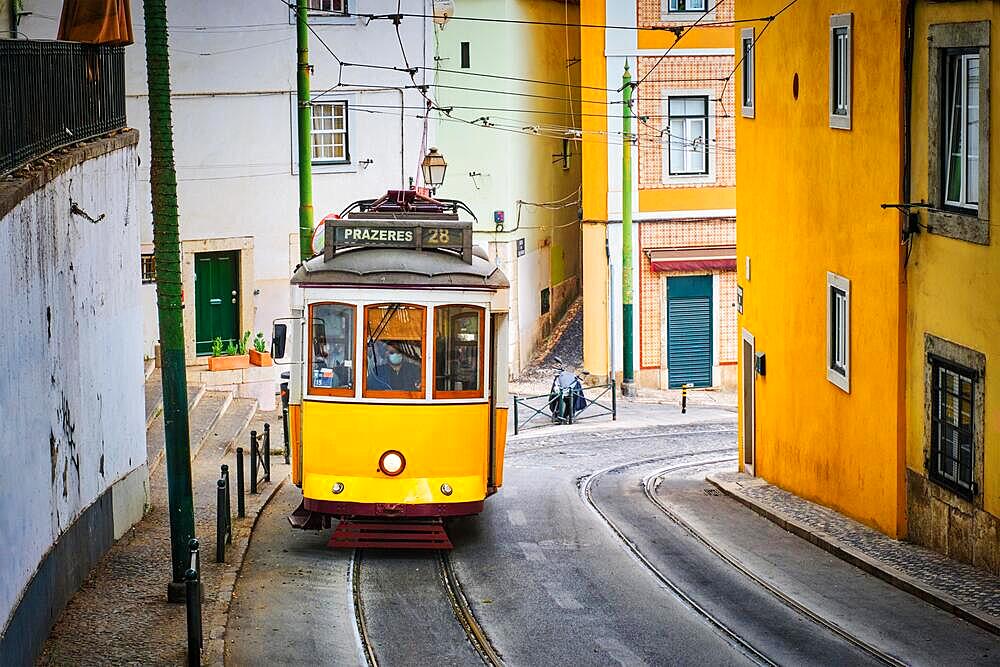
{"x":394,"y":360}
{"x":458,"y":351}
{"x":332,"y":349}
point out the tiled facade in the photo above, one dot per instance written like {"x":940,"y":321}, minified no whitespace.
{"x":652,"y":12}
{"x":676,"y":74}
{"x":683,"y":234}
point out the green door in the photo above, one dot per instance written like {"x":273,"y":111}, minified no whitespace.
{"x":689,"y":331}
{"x":216,"y":298}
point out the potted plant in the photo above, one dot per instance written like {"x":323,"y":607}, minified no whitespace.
{"x":259,"y":356}
{"x":232,"y":358}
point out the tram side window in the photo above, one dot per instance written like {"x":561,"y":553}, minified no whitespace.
{"x":332,"y":349}
{"x":458,"y":351}
{"x":394,"y":359}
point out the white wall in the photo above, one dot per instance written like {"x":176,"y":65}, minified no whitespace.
{"x":71,"y":408}
{"x":234,"y":120}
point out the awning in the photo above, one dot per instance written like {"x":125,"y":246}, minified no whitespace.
{"x":714,"y":258}
{"x":96,"y":22}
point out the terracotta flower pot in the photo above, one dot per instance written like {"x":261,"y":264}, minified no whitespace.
{"x":260,"y":358}
{"x":229,"y":363}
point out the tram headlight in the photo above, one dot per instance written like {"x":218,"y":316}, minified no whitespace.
{"x":392,"y":463}
{"x":446,"y":489}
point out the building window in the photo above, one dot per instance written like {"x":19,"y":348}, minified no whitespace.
{"x":687,"y":131}
{"x":749,"y":73}
{"x":687,"y":5}
{"x":838,"y":331}
{"x":961,"y":121}
{"x":148,"y":263}
{"x":328,"y":6}
{"x":952,"y":430}
{"x":466,"y":59}
{"x":958,"y":160}
{"x":329,"y":132}
{"x":840,"y":70}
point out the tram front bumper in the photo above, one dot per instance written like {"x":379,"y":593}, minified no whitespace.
{"x":393,"y":496}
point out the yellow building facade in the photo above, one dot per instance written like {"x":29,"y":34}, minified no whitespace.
{"x":953,"y":286}
{"x":683,"y":190}
{"x":819,"y":133}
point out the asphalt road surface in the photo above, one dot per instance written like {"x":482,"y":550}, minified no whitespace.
{"x":574,"y":562}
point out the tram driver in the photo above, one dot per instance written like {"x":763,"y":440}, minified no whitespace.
{"x":398,"y":374}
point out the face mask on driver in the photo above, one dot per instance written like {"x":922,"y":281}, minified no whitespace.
{"x":395,"y":358}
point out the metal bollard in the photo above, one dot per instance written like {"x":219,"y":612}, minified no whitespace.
{"x":241,"y":506}
{"x":288,"y":444}
{"x":192,"y":594}
{"x":684,"y":397}
{"x":614,"y":402}
{"x":253,"y":461}
{"x":220,"y":522}
{"x":229,"y":504}
{"x":267,"y":452}
{"x":515,"y":415}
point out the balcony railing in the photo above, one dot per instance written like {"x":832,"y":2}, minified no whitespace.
{"x":53,"y":94}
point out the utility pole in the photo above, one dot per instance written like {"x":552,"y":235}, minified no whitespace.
{"x":628,"y":376}
{"x":166,"y":245}
{"x":305,"y":132}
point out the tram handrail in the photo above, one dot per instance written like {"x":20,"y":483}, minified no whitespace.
{"x":546,"y":409}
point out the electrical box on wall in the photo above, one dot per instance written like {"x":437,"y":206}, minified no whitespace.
{"x":760,"y":364}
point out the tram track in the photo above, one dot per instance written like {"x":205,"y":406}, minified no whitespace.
{"x":649,"y":485}
{"x":586,"y":489}
{"x":457,"y":600}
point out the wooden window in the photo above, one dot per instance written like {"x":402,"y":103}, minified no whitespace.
{"x":332,"y":349}
{"x":394,"y":350}
{"x":329,"y":132}
{"x":961,"y":117}
{"x":459,"y":332}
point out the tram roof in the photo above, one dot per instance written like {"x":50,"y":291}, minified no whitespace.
{"x":403,"y":267}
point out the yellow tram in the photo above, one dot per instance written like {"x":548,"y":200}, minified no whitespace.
{"x":398,"y":382}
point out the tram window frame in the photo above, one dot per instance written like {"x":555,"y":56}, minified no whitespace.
{"x":465,"y":393}
{"x":366,"y":392}
{"x":333,"y":391}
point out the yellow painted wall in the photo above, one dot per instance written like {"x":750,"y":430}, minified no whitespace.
{"x":687,"y":199}
{"x":595,"y":191}
{"x":700,"y":38}
{"x":954,"y":286}
{"x":807,"y":202}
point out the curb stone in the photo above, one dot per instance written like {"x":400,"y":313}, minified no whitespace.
{"x":861,"y":560}
{"x":215,"y":646}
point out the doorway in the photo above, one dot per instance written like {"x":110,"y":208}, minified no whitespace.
{"x":689,"y":331}
{"x":216,"y":299}
{"x":748,"y":413}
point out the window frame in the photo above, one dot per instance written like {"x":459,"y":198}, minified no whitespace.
{"x":396,"y":393}
{"x":944,"y":40}
{"x":346,"y":132}
{"x":934,"y":472}
{"x":478,"y":393}
{"x":843,"y":76}
{"x":749,"y":79}
{"x":686,"y":15}
{"x":708,"y":175}
{"x":839,"y":376}
{"x":322,"y":17}
{"x":147,"y":280}
{"x":342,"y":392}
{"x":961,"y":207}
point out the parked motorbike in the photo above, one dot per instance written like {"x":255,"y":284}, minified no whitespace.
{"x":566,"y":398}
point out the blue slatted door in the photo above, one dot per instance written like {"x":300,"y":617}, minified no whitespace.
{"x":689,"y":331}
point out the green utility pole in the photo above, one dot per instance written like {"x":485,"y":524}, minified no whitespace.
{"x":305,"y":133}
{"x":166,"y":245}
{"x":628,"y":377}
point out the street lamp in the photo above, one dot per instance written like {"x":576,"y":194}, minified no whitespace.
{"x":433,"y":167}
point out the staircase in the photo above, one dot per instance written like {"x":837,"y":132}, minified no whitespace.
{"x":218,"y":420}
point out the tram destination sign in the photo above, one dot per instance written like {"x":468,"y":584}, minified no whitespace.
{"x":451,"y":235}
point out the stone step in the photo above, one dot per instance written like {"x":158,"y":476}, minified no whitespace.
{"x":208,"y":407}
{"x":154,"y":396}
{"x":229,"y":431}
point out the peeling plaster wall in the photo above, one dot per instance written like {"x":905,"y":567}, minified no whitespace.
{"x":71,"y":406}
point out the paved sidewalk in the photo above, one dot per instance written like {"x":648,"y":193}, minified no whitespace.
{"x":121,"y":615}
{"x":961,"y":589}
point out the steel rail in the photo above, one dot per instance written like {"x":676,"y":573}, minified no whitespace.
{"x":360,"y":623}
{"x":586,"y":484}
{"x":460,"y":606}
{"x":650,"y":485}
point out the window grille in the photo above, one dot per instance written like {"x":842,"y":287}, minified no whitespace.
{"x":148,"y":263}
{"x":952,"y":426}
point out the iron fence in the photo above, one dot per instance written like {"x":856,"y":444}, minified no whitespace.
{"x":545,"y":408}
{"x":53,"y":94}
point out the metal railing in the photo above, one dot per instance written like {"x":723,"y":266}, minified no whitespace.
{"x":260,"y":460}
{"x":545,"y":409}
{"x":53,"y":94}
